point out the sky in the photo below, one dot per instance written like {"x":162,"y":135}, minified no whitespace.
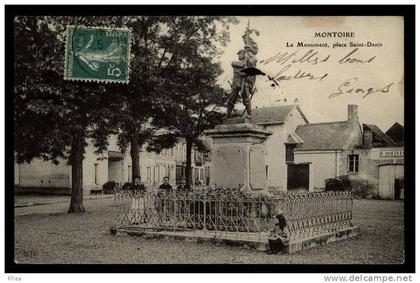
{"x":383,"y":74}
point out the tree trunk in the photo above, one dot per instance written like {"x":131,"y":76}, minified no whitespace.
{"x":76,"y":203}
{"x":188,"y":171}
{"x":134,"y":152}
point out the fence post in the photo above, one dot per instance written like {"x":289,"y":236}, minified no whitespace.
{"x":205,"y":216}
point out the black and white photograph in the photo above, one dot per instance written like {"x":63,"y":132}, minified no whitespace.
{"x":210,"y":136}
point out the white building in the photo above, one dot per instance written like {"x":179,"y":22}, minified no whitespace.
{"x":362,"y":153}
{"x":113,"y":165}
{"x":282,"y":121}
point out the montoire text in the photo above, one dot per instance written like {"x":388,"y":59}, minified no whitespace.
{"x":334,"y":34}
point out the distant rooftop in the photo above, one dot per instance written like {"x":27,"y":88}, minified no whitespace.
{"x":379,"y":137}
{"x":396,"y":133}
{"x":324,"y":136}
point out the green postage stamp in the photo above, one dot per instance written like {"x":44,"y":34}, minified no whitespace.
{"x":97,"y":54}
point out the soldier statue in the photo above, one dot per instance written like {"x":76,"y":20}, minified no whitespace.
{"x":242,"y":83}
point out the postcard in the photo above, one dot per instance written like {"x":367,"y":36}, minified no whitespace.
{"x":210,"y":139}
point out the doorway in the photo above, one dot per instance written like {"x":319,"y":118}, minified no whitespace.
{"x":298,"y":177}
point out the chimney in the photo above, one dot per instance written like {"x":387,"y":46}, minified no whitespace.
{"x":367,"y":138}
{"x":352,"y":117}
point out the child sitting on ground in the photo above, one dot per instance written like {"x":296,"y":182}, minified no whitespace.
{"x":277,"y":239}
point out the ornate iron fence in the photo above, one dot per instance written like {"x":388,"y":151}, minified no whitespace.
{"x":308,"y":214}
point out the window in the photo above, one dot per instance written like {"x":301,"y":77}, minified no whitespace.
{"x":179,"y":175}
{"x":207,"y":172}
{"x":157,"y":173}
{"x":129,"y":173}
{"x":96,"y":174}
{"x":353,"y":163}
{"x":201,"y":174}
{"x":170,"y":175}
{"x":149,"y":173}
{"x":196,"y":176}
{"x":290,"y":157}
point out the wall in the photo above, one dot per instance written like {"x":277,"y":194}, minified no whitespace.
{"x":276,"y":158}
{"x":369,"y":161}
{"x":387,"y":176}
{"x":293,"y":120}
{"x":115,"y":171}
{"x":159,"y":166}
{"x":41,"y":173}
{"x":89,"y":169}
{"x":323,"y":165}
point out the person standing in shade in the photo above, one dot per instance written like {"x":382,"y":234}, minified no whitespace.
{"x":165,"y":190}
{"x":182,"y":187}
{"x":182,"y":201}
{"x":138,"y":185}
{"x":165,"y":187}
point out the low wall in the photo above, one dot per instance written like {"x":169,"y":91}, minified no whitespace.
{"x":42,"y":191}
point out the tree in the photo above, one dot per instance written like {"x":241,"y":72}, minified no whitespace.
{"x":161,"y":45}
{"x":192,"y":97}
{"x":145,"y":81}
{"x":194,"y":106}
{"x":54,"y":118}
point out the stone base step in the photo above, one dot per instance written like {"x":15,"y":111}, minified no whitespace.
{"x":247,"y":240}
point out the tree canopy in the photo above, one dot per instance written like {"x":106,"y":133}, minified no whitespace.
{"x":54,"y":118}
{"x":172,"y":84}
{"x":167,"y":52}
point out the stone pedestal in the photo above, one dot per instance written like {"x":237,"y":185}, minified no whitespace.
{"x":239,"y":155}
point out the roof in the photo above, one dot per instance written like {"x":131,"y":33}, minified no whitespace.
{"x":396,"y":133}
{"x":274,"y":115}
{"x":379,"y":136}
{"x":115,"y":155}
{"x":324,"y":136}
{"x":293,"y":138}
{"x":205,"y":145}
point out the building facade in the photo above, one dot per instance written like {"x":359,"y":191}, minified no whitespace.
{"x":324,"y":148}
{"x":114,"y":165}
{"x":381,"y":163}
{"x":300,"y":156}
{"x":282,"y":121}
{"x":347,"y":148}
